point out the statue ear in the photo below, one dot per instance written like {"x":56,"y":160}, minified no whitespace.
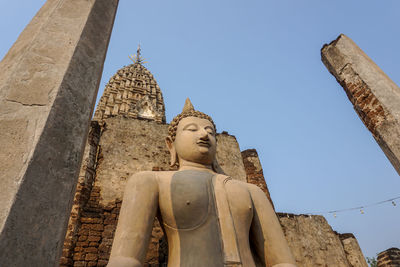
{"x":172,"y":151}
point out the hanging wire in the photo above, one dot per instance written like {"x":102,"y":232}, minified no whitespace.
{"x":360,"y":208}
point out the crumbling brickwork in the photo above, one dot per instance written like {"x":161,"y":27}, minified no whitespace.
{"x":389,"y":258}
{"x":82,"y":194}
{"x":254,"y":171}
{"x":365,"y":103}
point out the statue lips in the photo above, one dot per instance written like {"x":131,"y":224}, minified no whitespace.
{"x":203,"y":143}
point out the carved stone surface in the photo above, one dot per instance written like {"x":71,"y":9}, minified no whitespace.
{"x":375,"y":97}
{"x":48,"y":85}
{"x":133,"y":93}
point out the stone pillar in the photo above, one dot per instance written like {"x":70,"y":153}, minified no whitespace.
{"x":376,"y":98}
{"x":48,"y":85}
{"x":389,"y":258}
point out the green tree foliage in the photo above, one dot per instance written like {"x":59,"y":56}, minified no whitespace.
{"x":372,"y":262}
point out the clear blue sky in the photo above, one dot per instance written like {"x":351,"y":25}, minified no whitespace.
{"x":255,"y":67}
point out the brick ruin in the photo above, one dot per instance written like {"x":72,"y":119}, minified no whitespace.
{"x":389,"y":258}
{"x":127,"y":136}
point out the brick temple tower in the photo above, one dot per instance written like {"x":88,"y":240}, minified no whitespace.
{"x":133,"y":93}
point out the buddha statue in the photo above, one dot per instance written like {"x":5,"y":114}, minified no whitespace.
{"x":209,"y":219}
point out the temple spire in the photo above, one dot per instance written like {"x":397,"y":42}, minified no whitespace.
{"x":137,"y":58}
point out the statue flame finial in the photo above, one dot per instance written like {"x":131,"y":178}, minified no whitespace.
{"x":188,"y":106}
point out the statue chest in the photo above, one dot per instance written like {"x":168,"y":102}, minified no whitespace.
{"x":188,"y":198}
{"x":206,"y":218}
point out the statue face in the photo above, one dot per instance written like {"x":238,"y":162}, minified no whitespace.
{"x":195,"y":140}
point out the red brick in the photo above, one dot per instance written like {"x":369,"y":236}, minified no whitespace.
{"x":65,"y":261}
{"x":91,"y":220}
{"x":83,"y":232}
{"x":94,"y":233}
{"x":79,"y":264}
{"x":97,"y":227}
{"x":91,"y":250}
{"x":79,"y":256}
{"x":104,"y":248}
{"x":82,"y":244}
{"x":91,"y":257}
{"x":93,"y":238}
{"x":82,"y":238}
{"x":102,"y":263}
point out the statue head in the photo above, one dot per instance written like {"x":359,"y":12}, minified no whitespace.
{"x":192,"y":138}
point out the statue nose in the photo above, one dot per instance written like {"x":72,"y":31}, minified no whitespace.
{"x":204,"y":134}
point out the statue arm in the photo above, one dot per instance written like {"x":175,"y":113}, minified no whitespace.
{"x":266,"y":233}
{"x":138,"y":210}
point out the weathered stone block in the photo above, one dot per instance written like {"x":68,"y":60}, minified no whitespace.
{"x":313,"y":242}
{"x":48,"y":85}
{"x":353,"y":252}
{"x":375,"y":97}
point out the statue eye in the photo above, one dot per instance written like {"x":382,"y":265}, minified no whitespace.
{"x":191,"y":128}
{"x":210,"y":130}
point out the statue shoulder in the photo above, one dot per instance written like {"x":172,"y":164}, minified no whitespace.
{"x":236,"y":182}
{"x":244,"y":185}
{"x":144,"y":178}
{"x":253,"y":187}
{"x":149,"y":177}
{"x":255,"y":190}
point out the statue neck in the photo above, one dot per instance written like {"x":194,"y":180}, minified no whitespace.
{"x":188,"y":165}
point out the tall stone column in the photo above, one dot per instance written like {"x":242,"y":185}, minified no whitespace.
{"x":48,"y":85}
{"x":375,"y":97}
